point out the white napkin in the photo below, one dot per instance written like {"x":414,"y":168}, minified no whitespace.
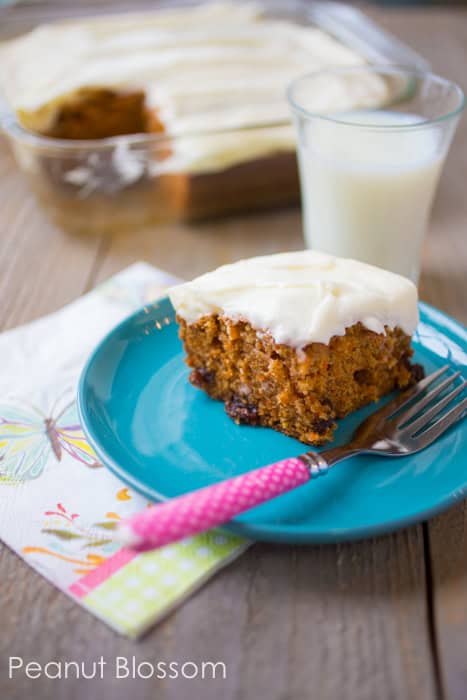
{"x":57,"y":507}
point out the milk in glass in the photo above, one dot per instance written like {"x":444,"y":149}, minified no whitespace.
{"x":367,"y":190}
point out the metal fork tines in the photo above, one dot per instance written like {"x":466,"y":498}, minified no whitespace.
{"x":433,"y":421}
{"x":413,"y":420}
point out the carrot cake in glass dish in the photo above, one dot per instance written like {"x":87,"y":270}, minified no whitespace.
{"x":171,"y":113}
{"x":295,"y":340}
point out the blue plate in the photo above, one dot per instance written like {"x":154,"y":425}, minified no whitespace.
{"x":163,"y":437}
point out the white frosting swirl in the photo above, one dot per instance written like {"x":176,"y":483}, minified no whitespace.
{"x":301,"y":297}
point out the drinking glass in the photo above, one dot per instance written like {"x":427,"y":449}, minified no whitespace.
{"x":372,"y":142}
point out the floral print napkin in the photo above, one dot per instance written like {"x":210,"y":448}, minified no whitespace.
{"x":58,"y":503}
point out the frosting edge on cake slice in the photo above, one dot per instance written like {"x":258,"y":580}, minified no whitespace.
{"x":301,"y":297}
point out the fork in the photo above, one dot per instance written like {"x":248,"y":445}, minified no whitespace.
{"x":403,"y":426}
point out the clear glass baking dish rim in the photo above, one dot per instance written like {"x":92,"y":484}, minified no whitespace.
{"x":13,"y":129}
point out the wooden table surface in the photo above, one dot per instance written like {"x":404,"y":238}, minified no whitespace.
{"x":384,"y":619}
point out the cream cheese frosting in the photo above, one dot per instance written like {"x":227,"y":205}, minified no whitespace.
{"x":195,"y":62}
{"x":210,"y":67}
{"x":301,"y":297}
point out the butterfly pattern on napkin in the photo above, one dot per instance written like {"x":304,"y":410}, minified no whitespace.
{"x":28,"y":437}
{"x":61,"y":523}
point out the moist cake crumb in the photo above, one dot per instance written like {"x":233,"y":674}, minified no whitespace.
{"x":295,"y":341}
{"x":301,"y":395}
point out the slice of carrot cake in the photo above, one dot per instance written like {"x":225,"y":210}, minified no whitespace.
{"x":294,"y":341}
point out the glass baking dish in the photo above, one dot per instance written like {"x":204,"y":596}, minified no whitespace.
{"x":127,"y":182}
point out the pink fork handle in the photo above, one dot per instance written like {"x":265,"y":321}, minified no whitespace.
{"x":211,"y":506}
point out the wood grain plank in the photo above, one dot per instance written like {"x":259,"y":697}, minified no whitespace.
{"x":344,"y":622}
{"x":442,"y":36}
{"x":187,"y":251}
{"x":328,"y":622}
{"x":448,"y":555}
{"x":41,"y":267}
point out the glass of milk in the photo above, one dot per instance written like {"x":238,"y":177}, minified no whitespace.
{"x":371,"y":146}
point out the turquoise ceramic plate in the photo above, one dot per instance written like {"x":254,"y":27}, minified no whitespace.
{"x":163,"y":437}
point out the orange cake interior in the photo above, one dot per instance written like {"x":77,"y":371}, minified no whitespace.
{"x":301,"y":369}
